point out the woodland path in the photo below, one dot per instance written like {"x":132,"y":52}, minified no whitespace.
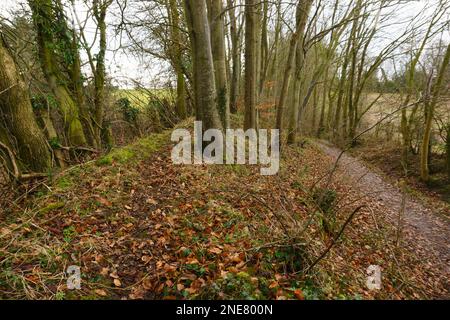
{"x":429,"y":230}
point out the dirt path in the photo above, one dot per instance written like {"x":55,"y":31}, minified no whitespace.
{"x":429,"y":230}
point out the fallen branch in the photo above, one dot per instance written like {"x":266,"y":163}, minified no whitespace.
{"x":31,"y":176}
{"x":16,"y":174}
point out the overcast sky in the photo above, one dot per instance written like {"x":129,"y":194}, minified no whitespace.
{"x":120,"y":66}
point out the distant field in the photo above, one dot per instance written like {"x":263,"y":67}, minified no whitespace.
{"x":389,"y":103}
{"x":388,"y":108}
{"x":140,"y":97}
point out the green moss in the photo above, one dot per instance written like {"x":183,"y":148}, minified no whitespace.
{"x":151,"y":143}
{"x":122,"y":155}
{"x":76,"y":135}
{"x":69,"y":234}
{"x":239,"y":169}
{"x":104,"y":161}
{"x":140,"y":149}
{"x":60,"y":295}
{"x":51,"y":207}
{"x":64,"y":183}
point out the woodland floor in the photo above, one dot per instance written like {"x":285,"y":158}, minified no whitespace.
{"x":141,"y":227}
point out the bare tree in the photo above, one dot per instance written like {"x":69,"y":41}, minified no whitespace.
{"x":303,"y":9}
{"x":219,"y":57}
{"x":203,"y":65}
{"x":251,"y":61}
{"x":430,"y":105}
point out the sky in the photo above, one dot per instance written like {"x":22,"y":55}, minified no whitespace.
{"x":121,"y":66}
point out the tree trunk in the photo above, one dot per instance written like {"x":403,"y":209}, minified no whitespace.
{"x":43,"y":18}
{"x":257,"y":29}
{"x":293,"y":123}
{"x":203,"y":66}
{"x":72,"y":65}
{"x":303,"y":9}
{"x":430,"y":107}
{"x":410,"y":73}
{"x":235,"y":58}
{"x":177,"y":59}
{"x":447,"y":151}
{"x":275,"y":62}
{"x":341,"y":93}
{"x":354,"y":48}
{"x":52,"y":135}
{"x":250,"y":65}
{"x":321,"y":127}
{"x":264,"y":47}
{"x":16,"y":106}
{"x":219,"y":57}
{"x":85,"y":116}
{"x":100,"y":9}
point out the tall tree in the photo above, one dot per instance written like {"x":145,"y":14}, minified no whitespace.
{"x":405,"y":124}
{"x":177,"y":58}
{"x":430,"y":105}
{"x":293,"y":123}
{"x":216,"y":18}
{"x":235,"y":56}
{"x":251,"y":61}
{"x":68,"y":40}
{"x":203,"y":65}
{"x":447,"y":150}
{"x":100,"y":8}
{"x":16,"y":107}
{"x":302,"y":13}
{"x":43,"y":17}
{"x":264,"y":51}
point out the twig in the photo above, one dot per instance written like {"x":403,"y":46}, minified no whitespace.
{"x":334,"y":240}
{"x":12,"y":159}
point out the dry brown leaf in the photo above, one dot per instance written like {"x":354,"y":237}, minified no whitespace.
{"x":101,"y":292}
{"x":117,"y":283}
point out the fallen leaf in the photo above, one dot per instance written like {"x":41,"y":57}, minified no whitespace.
{"x":215,"y":250}
{"x":117,"y":283}
{"x":104,"y":202}
{"x":299,"y":294}
{"x":180,"y":287}
{"x":104,"y":271}
{"x":147,"y":284}
{"x":101,"y":292}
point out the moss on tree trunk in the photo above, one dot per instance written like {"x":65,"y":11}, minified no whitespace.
{"x":16,"y":107}
{"x":43,"y":18}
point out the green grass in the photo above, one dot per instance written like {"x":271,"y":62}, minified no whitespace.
{"x":64,"y":183}
{"x":52,"y":206}
{"x":135,"y":151}
{"x":140,"y":97}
